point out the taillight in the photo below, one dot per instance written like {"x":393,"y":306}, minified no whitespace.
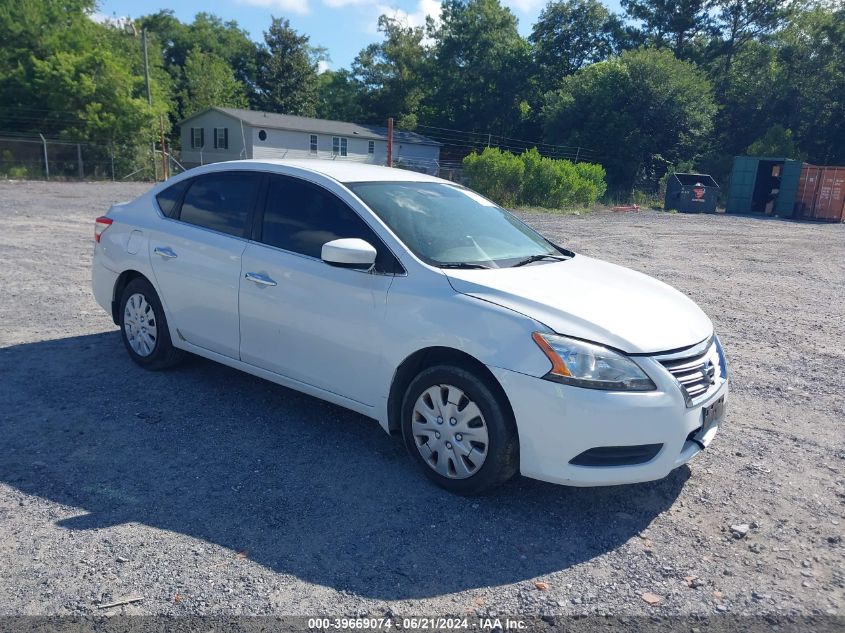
{"x":100,"y":225}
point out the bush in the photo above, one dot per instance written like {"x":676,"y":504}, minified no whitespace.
{"x":534,"y":180}
{"x":496,"y":174}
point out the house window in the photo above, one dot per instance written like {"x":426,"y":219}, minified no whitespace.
{"x":339,"y":146}
{"x":371,"y":147}
{"x":313,"y":143}
{"x":221,"y":138}
{"x":197,"y":137}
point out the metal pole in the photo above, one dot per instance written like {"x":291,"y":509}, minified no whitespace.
{"x":146,"y":66}
{"x":79,"y":161}
{"x":111,"y":151}
{"x":46,"y":162}
{"x":577,"y":154}
{"x":163,"y":148}
{"x":489,"y":137}
{"x":149,"y":93}
{"x":390,"y":142}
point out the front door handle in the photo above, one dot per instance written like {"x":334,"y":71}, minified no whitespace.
{"x":165,"y":251}
{"x":262,"y":280}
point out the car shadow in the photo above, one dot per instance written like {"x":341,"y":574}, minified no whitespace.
{"x":307,"y":488}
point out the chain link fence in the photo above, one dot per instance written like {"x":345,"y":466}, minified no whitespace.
{"x":40,"y":158}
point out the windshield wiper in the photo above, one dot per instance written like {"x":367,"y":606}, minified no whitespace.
{"x":465,"y":265}
{"x":540,"y":257}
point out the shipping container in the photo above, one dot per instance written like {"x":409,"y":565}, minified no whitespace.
{"x":821,"y":194}
{"x":763,"y":185}
{"x":808,"y":187}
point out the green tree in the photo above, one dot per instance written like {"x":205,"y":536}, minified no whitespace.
{"x":61,"y":74}
{"x":740,"y":21}
{"x":339,"y":96}
{"x":571,"y":34}
{"x":777,"y":141}
{"x":811,"y":78}
{"x":210,"y":81}
{"x":671,"y":23}
{"x":640,"y":113}
{"x":392,"y":73}
{"x":287,"y":78}
{"x":793,"y":78}
{"x":479,"y":67}
{"x":209,"y":34}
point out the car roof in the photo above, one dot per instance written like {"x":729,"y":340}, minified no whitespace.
{"x":341,"y":170}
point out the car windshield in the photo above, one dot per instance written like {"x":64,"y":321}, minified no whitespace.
{"x":448,"y":225}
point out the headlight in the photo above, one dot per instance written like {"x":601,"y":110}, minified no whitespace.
{"x":592,"y":366}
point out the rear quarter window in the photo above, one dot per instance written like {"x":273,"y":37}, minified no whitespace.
{"x":168,"y":199}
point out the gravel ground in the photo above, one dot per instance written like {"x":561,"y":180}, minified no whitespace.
{"x":208,"y":491}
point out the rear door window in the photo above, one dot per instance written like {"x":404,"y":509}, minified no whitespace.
{"x":221,"y":202}
{"x":300,"y":217}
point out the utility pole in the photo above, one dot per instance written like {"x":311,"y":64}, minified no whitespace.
{"x":390,"y":142}
{"x":146,"y":66}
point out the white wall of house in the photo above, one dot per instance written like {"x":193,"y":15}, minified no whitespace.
{"x":240,"y":141}
{"x":416,"y":154}
{"x":245,"y":142}
{"x":295,"y":144}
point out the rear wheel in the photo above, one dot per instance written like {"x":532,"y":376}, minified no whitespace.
{"x":459,"y":431}
{"x":144,"y":327}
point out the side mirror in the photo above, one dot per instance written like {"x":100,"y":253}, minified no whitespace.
{"x":350,"y":252}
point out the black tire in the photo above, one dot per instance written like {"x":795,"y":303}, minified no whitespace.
{"x":502,"y":460}
{"x":163,"y":354}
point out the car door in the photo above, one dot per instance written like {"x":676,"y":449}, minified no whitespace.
{"x":196,"y":258}
{"x":301,"y":317}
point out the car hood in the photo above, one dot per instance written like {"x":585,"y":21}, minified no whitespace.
{"x":595,"y":300}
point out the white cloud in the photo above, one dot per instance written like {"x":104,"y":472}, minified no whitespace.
{"x":118,"y":21}
{"x":98,"y":17}
{"x":415,"y":18}
{"x":300,"y":7}
{"x":348,"y":3}
{"x":525,"y":6}
{"x":323,"y":66}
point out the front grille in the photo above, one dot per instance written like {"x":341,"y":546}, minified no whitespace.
{"x":697,"y":371}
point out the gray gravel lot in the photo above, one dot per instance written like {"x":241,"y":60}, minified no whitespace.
{"x":208,"y":491}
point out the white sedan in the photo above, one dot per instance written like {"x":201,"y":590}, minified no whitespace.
{"x":423,"y":305}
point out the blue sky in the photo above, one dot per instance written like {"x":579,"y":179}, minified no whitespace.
{"x":344,"y":27}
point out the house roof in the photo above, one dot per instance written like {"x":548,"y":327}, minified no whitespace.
{"x":259,"y":119}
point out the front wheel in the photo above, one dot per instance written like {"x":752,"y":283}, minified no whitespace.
{"x":459,"y":431}
{"x":144,"y":327}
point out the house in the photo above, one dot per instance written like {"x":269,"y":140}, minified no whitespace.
{"x":218,"y":134}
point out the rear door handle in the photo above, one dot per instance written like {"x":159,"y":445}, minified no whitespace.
{"x":262,"y":280}
{"x":165,"y":251}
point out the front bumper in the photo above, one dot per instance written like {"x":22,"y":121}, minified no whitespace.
{"x":556,"y":423}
